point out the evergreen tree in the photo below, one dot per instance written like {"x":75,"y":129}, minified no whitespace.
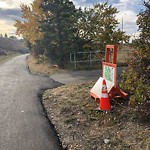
{"x":59,"y":30}
{"x":6,"y":36}
{"x":12,"y":37}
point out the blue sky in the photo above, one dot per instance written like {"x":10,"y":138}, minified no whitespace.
{"x":128,"y":10}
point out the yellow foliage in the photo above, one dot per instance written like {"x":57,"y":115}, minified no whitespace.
{"x":29,"y":28}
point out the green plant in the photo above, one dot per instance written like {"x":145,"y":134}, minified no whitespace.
{"x":135,"y":80}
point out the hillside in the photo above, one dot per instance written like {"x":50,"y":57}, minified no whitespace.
{"x":12,"y":45}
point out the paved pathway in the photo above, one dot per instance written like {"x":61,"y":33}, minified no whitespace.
{"x":23,"y":125}
{"x":77,"y":76}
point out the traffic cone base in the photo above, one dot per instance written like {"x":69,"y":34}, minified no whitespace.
{"x":105,"y":104}
{"x":104,"y":100}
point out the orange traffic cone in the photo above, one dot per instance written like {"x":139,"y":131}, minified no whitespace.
{"x":104,"y":100}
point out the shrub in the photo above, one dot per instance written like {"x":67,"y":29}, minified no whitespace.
{"x":135,"y":79}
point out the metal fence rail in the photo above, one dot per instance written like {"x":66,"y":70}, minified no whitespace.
{"x":90,"y":57}
{"x":84,"y":57}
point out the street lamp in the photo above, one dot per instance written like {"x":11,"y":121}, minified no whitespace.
{"x":122,"y":27}
{"x":122,"y":21}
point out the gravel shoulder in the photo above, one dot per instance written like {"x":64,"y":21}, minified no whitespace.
{"x":80,"y":127}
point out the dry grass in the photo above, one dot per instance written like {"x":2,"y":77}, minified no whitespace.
{"x":123,"y":54}
{"x":80,"y":127}
{"x":41,"y":68}
{"x":4,"y":58}
{"x":7,"y":44}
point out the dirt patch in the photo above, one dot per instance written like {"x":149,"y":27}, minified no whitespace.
{"x":80,"y":127}
{"x":42,"y":68}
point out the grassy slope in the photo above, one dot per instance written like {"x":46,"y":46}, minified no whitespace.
{"x":45,"y":68}
{"x":10,"y":48}
{"x":10,"y":55}
{"x":12,"y":45}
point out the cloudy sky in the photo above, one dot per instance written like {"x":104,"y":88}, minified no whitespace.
{"x":128,"y":10}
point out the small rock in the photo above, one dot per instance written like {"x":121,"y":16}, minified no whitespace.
{"x":106,"y":141}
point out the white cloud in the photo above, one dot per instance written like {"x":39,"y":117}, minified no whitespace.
{"x":127,"y":15}
{"x":3,"y":4}
{"x":6,"y":28}
{"x":8,"y":4}
{"x":7,"y":25}
{"x":127,"y":2}
{"x":80,"y":3}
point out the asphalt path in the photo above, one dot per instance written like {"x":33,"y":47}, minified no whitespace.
{"x":23,"y":124}
{"x":76,"y":76}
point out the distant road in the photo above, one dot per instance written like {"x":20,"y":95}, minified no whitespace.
{"x":76,"y":76}
{"x":23,"y":125}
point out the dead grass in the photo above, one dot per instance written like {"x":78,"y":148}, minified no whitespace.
{"x":4,"y":58}
{"x":123,"y":54}
{"x":80,"y":127}
{"x":41,"y":68}
{"x":14,"y":45}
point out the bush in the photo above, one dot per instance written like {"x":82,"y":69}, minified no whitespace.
{"x":135,"y":79}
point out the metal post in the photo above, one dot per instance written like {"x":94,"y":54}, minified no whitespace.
{"x":122,"y":26}
{"x":70,"y":57}
{"x":90,"y":59}
{"x":122,"y":23}
{"x":75,"y":65}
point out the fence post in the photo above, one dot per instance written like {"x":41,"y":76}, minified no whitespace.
{"x":75,"y":65}
{"x":90,"y":59}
